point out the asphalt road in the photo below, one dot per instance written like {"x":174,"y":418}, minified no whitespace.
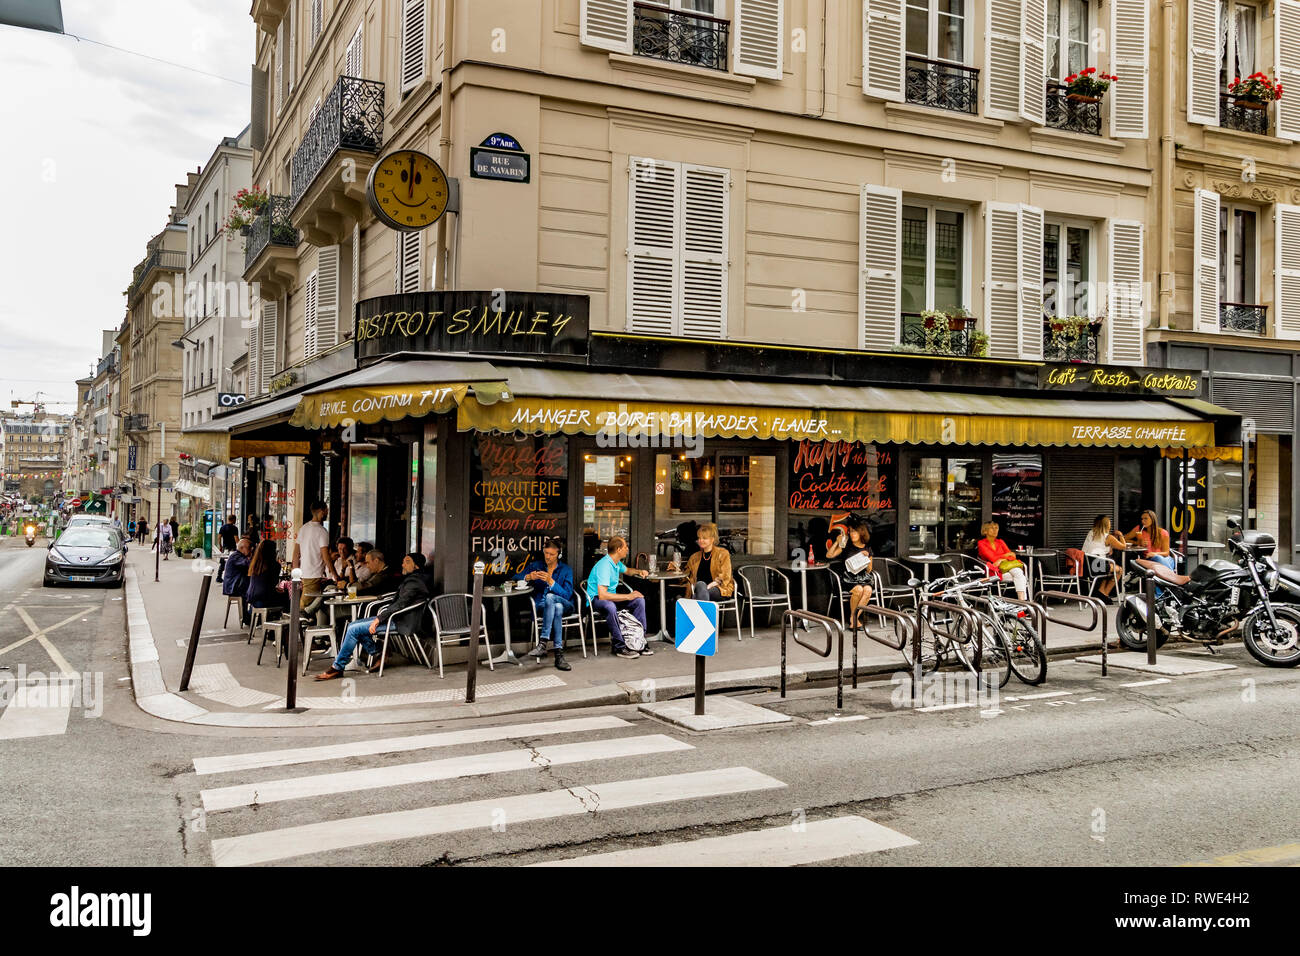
{"x":1160,"y":774}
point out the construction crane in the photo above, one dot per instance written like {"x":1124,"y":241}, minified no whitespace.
{"x":38,"y":406}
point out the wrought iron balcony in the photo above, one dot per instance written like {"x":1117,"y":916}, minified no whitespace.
{"x":1072,"y":115}
{"x":1062,"y":345}
{"x":272,"y":227}
{"x":136,"y":423}
{"x":1246,"y":119}
{"x":938,"y":336}
{"x":351,"y":118}
{"x":171,"y":259}
{"x":1242,"y":317}
{"x":677,"y":36}
{"x":945,"y":86}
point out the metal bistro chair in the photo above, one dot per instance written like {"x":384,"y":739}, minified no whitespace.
{"x":451,"y":624}
{"x":894,"y":587}
{"x":838,"y":597}
{"x":572,"y":619}
{"x":257,"y":618}
{"x":410,"y":645}
{"x":960,"y":561}
{"x":585,"y":606}
{"x":238,"y":601}
{"x":1051,"y":575}
{"x":760,"y":593}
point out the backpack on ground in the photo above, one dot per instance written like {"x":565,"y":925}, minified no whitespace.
{"x":633,"y":632}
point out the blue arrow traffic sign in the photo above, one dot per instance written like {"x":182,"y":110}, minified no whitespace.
{"x":697,"y":627}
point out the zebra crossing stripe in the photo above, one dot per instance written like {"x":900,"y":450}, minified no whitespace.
{"x":47,"y":719}
{"x":502,"y":761}
{"x":780,"y":846}
{"x":367,"y":748}
{"x":283,"y":844}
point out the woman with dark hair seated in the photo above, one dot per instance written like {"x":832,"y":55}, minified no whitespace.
{"x":852,"y":547}
{"x":264,"y":578}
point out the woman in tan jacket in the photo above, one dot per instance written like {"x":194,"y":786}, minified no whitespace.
{"x":708,"y":571}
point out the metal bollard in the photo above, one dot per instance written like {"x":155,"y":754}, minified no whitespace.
{"x":1151,"y":617}
{"x":295,"y":630}
{"x":475,"y":622}
{"x":204,"y":587}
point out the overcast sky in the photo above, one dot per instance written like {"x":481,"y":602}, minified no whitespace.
{"x":94,"y":142}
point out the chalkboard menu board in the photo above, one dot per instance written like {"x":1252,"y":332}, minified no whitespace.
{"x":831,"y":481}
{"x":1018,"y":499}
{"x":519,"y":496}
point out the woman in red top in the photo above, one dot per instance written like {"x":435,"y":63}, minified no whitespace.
{"x":995,"y":553}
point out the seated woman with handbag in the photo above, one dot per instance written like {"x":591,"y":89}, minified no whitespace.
{"x":857,"y":562}
{"x":1001,"y":560}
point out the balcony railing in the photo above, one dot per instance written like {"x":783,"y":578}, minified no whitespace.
{"x":271,"y":228}
{"x":352,"y":117}
{"x":1073,"y":116}
{"x":1242,"y":317}
{"x":944,"y":336}
{"x":173,"y":259}
{"x":1061,"y":346}
{"x":694,"y":39}
{"x":945,"y":86}
{"x":1232,"y":115}
{"x":136,"y":423}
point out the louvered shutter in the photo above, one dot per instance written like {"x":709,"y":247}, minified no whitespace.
{"x":279,"y":67}
{"x":607,"y":24}
{"x":880,"y":248}
{"x":289,"y":52}
{"x":759,"y":28}
{"x":270,"y":340}
{"x":327,"y":298}
{"x":254,"y":353}
{"x":1286,"y":47}
{"x":1129,"y":61}
{"x":1002,"y":293}
{"x":310,"y":340}
{"x":1125,"y":312}
{"x":1033,"y":62}
{"x":1002,"y":40}
{"x":356,"y":271}
{"x":353,"y":64}
{"x":1202,"y":62}
{"x":1286,"y":321}
{"x":652,"y":246}
{"x":414,"y":33}
{"x":882,"y":49}
{"x":257,"y":115}
{"x":409,"y":248}
{"x":317,"y":15}
{"x":311,"y":114}
{"x":1205,"y":250}
{"x":703,"y":277}
{"x":1031,"y":282}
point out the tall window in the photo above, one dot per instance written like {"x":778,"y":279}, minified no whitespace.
{"x":934,"y":258}
{"x":1067,"y":37}
{"x":1238,"y":245}
{"x":1067,"y":267}
{"x":1238,"y":36}
{"x":936,"y":29}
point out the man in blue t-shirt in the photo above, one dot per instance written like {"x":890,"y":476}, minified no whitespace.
{"x":552,"y":582}
{"x":601,"y":589}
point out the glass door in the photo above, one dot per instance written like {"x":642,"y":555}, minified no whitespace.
{"x":606,"y":504}
{"x":945,"y":499}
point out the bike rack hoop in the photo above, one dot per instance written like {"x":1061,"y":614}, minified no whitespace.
{"x":1098,"y":617}
{"x":898,"y":617}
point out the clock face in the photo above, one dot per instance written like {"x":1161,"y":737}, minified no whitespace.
{"x":407,"y":190}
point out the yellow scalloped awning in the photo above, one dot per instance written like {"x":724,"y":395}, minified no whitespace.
{"x":1214,"y":453}
{"x":370,"y":404}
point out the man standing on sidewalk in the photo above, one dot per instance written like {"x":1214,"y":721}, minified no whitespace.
{"x":311,"y":553}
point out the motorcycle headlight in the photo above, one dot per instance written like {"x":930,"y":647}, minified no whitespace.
{"x":1271,"y":579}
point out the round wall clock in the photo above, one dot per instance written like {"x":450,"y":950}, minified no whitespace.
{"x":407,"y":190}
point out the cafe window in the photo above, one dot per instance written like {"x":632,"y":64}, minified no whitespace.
{"x":734,"y":490}
{"x":945,"y":504}
{"x":606,"y":504}
{"x":429,"y":488}
{"x":363,"y":491}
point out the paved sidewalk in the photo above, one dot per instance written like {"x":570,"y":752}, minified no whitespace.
{"x":228,"y":688}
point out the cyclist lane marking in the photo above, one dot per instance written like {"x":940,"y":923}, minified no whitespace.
{"x":39,"y":634}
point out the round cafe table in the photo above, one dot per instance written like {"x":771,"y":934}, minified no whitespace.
{"x":802,"y":568}
{"x":926,"y":561}
{"x":662,"y":579}
{"x":504,"y":595}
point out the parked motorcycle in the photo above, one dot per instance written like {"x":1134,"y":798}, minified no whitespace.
{"x":30,"y":532}
{"x":1220,"y":600}
{"x":1284,"y":588}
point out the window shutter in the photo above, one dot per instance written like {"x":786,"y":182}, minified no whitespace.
{"x":254,"y":350}
{"x":408,"y":262}
{"x":652,"y":246}
{"x":880,"y":247}
{"x":353,"y":65}
{"x":1125,"y":317}
{"x":1002,"y":293}
{"x":759,"y":28}
{"x":317,"y":15}
{"x":1205,"y":280}
{"x":1286,"y":322}
{"x":607,"y":24}
{"x":279,"y":67}
{"x":257,"y":115}
{"x":327,"y":298}
{"x":310,"y":340}
{"x":1286,"y":47}
{"x":1031,"y":282}
{"x":414,"y":32}
{"x":1033,"y":62}
{"x":292,"y":37}
{"x":1002,"y":40}
{"x":356,"y":269}
{"x":703,"y":276}
{"x":1129,"y":61}
{"x":882,"y":49}
{"x":1202,"y":61}
{"x":311,"y":115}
{"x":270,"y":338}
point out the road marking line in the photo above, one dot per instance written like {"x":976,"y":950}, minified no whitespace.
{"x":837,"y":720}
{"x":934,"y":707}
{"x":449,"y":768}
{"x":39,"y":633}
{"x":1265,"y":856}
{"x":1147,"y":683}
{"x":592,"y":798}
{"x":1050,"y":693}
{"x":780,"y":846}
{"x":46,"y":720}
{"x":366,"y":748}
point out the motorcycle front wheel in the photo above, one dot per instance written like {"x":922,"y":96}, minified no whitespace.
{"x":1274,"y":647}
{"x":1132,"y":632}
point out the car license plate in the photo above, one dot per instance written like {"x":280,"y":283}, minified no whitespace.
{"x":81,"y":577}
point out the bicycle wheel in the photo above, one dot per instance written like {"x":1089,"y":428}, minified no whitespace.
{"x":932,"y":650}
{"x":1027,"y":655}
{"x":994,"y":659}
